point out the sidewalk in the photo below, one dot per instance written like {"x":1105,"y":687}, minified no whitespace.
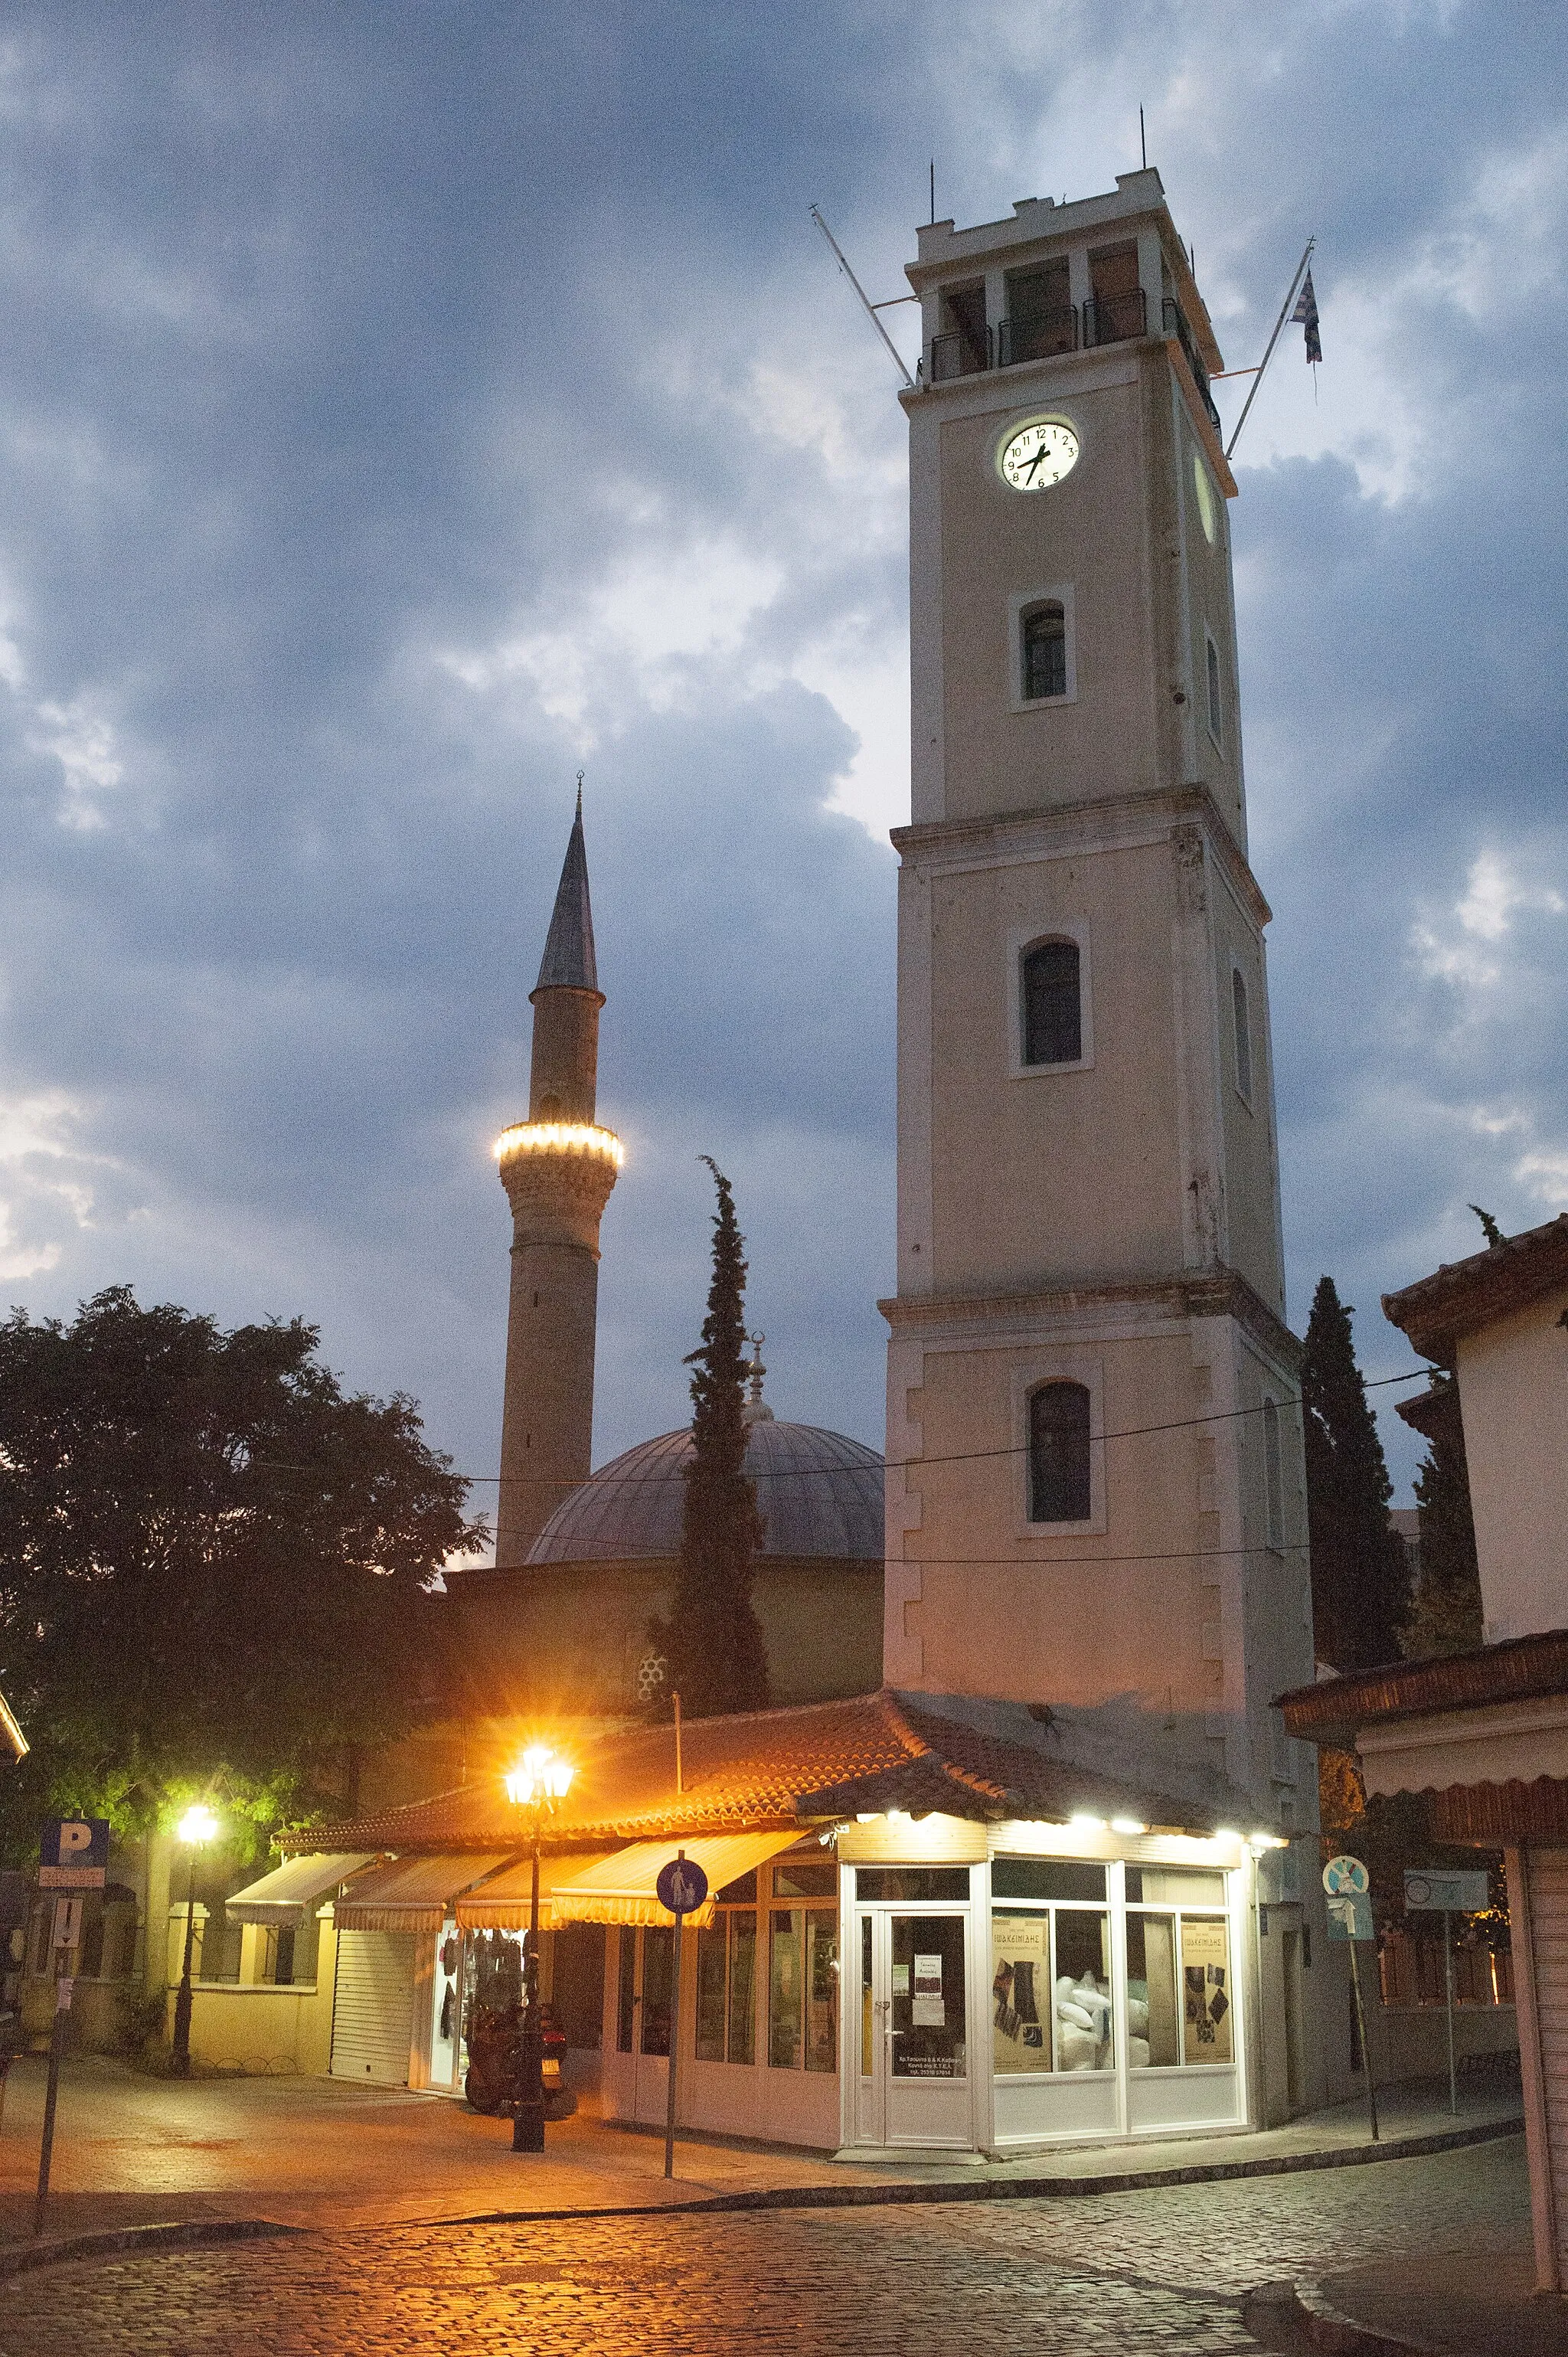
{"x":131,"y":2150}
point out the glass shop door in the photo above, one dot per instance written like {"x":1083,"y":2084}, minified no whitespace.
{"x":913,"y":2086}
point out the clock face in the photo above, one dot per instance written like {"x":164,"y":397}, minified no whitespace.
{"x":1038,"y":455}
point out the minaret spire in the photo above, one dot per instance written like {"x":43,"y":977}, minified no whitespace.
{"x":558,"y":1167}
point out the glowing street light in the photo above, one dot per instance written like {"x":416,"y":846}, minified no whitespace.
{"x":538,"y":1782}
{"x":197,"y":1825}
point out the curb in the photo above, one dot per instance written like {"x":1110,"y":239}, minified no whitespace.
{"x":1318,"y":2316}
{"x":977,"y":2189}
{"x":121,"y":2242}
{"x":1292,"y":2315}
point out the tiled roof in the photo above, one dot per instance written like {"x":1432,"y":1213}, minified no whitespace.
{"x":779,"y":1767}
{"x":1331,"y":1711}
{"x":1465,"y":1293}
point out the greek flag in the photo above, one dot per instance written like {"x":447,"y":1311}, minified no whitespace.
{"x":1305,"y":316}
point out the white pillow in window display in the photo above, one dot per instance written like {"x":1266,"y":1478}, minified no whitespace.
{"x":1076,"y":2048}
{"x":1138,"y":2053}
{"x":1137,"y":2017}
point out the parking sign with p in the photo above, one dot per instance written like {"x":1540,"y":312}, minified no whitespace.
{"x":73,"y":1854}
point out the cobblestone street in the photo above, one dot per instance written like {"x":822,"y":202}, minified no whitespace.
{"x":1159,"y":2271}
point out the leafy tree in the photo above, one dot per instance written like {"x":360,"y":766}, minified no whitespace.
{"x":1447,"y":1616}
{"x":1489,"y":1227}
{"x":713,"y":1642}
{"x":1361,"y":1579}
{"x":214,"y":1564}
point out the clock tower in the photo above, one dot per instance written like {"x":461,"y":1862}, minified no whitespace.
{"x":1096,"y":1492}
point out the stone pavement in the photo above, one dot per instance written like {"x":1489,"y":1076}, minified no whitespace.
{"x":1160,"y":2271}
{"x":130,"y":2149}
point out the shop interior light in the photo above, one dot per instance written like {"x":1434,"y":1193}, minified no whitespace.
{"x":1083,"y":1823}
{"x":1127,"y":1826}
{"x":867,"y":1816}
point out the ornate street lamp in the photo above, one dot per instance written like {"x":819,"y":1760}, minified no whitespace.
{"x":197,"y":1825}
{"x":538,"y":1782}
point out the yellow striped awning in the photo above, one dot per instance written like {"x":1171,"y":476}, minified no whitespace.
{"x":283,"y":1896}
{"x":414,"y":1894}
{"x":503,"y":1903}
{"x":620,"y":1889}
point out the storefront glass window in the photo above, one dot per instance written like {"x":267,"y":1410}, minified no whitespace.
{"x":928,"y":2020}
{"x":1051,"y":1990}
{"x":712,"y":1960}
{"x":822,"y":1987}
{"x":802,"y":1988}
{"x":806,"y":1878}
{"x":784,"y":1981}
{"x":880,"y":1885}
{"x":743,"y":1985}
{"x":726,"y":1965}
{"x":657,"y":1973}
{"x":626,"y":1990}
{"x":867,"y":2012}
{"x":1179,"y":1987}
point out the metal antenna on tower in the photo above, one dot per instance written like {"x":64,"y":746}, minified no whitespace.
{"x":870,"y":308}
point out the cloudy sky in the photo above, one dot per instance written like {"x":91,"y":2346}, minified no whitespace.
{"x":406,"y":402}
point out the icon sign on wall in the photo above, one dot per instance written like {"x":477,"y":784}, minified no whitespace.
{"x":682,"y":1886}
{"x":73,"y":1854}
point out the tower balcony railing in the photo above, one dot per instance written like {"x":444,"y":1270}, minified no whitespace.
{"x":968,"y":351}
{"x":1115,"y":318}
{"x":1173,"y":319}
{"x":1038,"y":336}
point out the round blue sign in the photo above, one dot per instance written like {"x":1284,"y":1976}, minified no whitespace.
{"x":682,"y":1886}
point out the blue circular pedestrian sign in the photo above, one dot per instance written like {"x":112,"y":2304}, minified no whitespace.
{"x":1346,"y":1878}
{"x":681,"y":1886}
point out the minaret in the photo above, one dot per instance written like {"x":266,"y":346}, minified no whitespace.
{"x":558,"y":1167}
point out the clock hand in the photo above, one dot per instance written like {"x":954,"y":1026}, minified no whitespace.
{"x":1035,"y":462}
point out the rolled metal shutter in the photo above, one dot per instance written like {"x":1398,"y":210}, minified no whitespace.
{"x":373,"y":2007}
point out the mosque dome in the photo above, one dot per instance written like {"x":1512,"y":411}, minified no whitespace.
{"x":820,"y":1493}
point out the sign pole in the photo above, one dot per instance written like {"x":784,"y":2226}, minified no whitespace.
{"x":674,"y":2032}
{"x":46,"y":2151}
{"x":1448,"y":1977}
{"x":1361,"y":2034}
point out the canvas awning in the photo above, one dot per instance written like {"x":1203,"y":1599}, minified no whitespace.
{"x":283,"y":1896}
{"x":621,"y":1888}
{"x":414,"y":1894}
{"x":503,"y":1903}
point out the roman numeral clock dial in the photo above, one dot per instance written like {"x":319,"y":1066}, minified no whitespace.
{"x":1037,"y":454}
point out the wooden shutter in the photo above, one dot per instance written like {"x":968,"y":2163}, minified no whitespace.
{"x":373,"y":2007}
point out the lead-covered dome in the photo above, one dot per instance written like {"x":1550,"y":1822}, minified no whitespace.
{"x":820,"y":1493}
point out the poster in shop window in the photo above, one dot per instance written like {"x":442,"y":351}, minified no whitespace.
{"x":1205,"y":1957}
{"x":1020,"y":1991}
{"x":929,"y":2012}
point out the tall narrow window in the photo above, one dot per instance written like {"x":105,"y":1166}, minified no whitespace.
{"x":1059,"y":1454}
{"x":1243,"y":1034}
{"x":1052,"y":1004}
{"x":1216,"y":711}
{"x":1274,"y":1485}
{"x":1043,"y":654}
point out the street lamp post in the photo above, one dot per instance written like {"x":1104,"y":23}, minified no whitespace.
{"x":536,"y":1784}
{"x":197,"y":1825}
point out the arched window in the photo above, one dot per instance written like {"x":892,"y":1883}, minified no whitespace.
{"x":1042,"y":655}
{"x":1243,"y":1033}
{"x":1059,"y":1454}
{"x":1052,"y":1004}
{"x":1274,"y":1479}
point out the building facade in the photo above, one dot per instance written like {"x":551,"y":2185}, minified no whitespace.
{"x":1097,"y":1494}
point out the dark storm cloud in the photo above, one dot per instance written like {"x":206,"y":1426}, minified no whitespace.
{"x":401,"y":406}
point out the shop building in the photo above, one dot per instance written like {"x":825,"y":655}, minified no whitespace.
{"x":926,"y":1930}
{"x":1484,"y":1734}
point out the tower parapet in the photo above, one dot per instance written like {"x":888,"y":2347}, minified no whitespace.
{"x":558,"y":1169}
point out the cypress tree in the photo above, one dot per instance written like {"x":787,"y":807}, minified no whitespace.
{"x":1447,"y":1616}
{"x":1361,"y":1579}
{"x":713,"y":1642}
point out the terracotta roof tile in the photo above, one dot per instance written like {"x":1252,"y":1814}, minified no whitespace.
{"x":775,"y":1768}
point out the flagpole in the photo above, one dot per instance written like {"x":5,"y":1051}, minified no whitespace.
{"x":1273,"y":339}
